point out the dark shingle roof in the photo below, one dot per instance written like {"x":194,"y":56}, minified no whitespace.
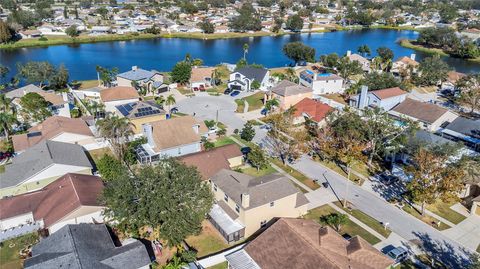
{"x":253,"y":73}
{"x":85,"y":246}
{"x":465,"y":126}
{"x":136,"y":75}
{"x":425,"y":112}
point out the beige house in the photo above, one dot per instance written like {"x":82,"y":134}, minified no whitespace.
{"x":245,"y":204}
{"x":201,"y":78}
{"x":139,"y":113}
{"x":288,"y":94}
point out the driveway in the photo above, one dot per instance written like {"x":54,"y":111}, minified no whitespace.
{"x":466,"y":232}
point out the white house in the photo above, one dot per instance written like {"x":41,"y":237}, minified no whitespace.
{"x":385,"y":99}
{"x":243,"y":78}
{"x":120,"y":95}
{"x":321,"y":83}
{"x":153,"y":79}
{"x":364,"y":62}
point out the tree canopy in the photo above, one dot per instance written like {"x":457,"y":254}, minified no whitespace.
{"x":297,"y":51}
{"x":247,"y":20}
{"x":294,"y":23}
{"x":181,"y":72}
{"x":34,"y":106}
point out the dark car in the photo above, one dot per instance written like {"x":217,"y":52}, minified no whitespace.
{"x":227,"y":91}
{"x":264,"y":112}
{"x":234,"y":93}
{"x":174,"y":110}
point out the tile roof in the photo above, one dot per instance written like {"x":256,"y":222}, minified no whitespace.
{"x":316,"y":110}
{"x":253,"y":73}
{"x":48,"y":129}
{"x":200,"y":73}
{"x":359,"y":58}
{"x":85,"y":246}
{"x":119,"y":93}
{"x":262,"y":190}
{"x":408,"y":61}
{"x":304,"y":244}
{"x":425,"y":112}
{"x":39,"y":157}
{"x":288,"y":88}
{"x":176,"y":131}
{"x":56,"y":200}
{"x":53,"y":98}
{"x":211,"y":162}
{"x":137,"y":74}
{"x":453,"y":76}
{"x":389,"y":92}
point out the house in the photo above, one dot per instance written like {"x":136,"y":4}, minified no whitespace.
{"x":288,"y":94}
{"x":430,"y":116}
{"x":245,"y":204}
{"x":321,"y":83}
{"x":71,"y":199}
{"x":471,"y":198}
{"x":405,"y":65}
{"x":451,"y":81}
{"x":212,"y":161}
{"x":302,"y":244}
{"x":384,"y":99}
{"x":30,"y":34}
{"x":153,"y":80}
{"x":58,"y":104}
{"x":201,"y":77}
{"x":364,"y":62}
{"x":464,"y":130}
{"x":42,"y":164}
{"x":243,"y":78}
{"x":174,"y":137}
{"x":20,"y":92}
{"x":119,"y":95}
{"x":85,"y":246}
{"x":313,"y":110}
{"x":140,"y":112}
{"x":55,"y":128}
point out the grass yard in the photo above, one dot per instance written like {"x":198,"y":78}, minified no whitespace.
{"x":223,"y":265}
{"x":98,"y":153}
{"x":240,"y":105}
{"x":223,"y":141}
{"x":248,"y":144}
{"x":427,"y":219}
{"x":208,"y":241}
{"x":296,"y":174}
{"x":478,"y":248}
{"x":87,"y":84}
{"x":443,"y":210}
{"x":339,"y":170}
{"x":10,"y":250}
{"x":335,"y":97}
{"x":252,"y":171}
{"x":185,"y":91}
{"x":369,"y":221}
{"x":350,"y":227}
{"x":255,"y":101}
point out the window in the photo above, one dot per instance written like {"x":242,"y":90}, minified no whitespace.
{"x":272,"y":204}
{"x":263,"y":223}
{"x":225,"y":198}
{"x":237,"y":208}
{"x":215,"y":186}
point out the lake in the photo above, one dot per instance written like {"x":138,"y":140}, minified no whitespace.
{"x":162,"y":53}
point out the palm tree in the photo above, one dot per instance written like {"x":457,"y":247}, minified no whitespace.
{"x":364,"y":49}
{"x":170,"y":101}
{"x":160,"y":100}
{"x":188,"y":58}
{"x":117,"y":131}
{"x":5,"y":103}
{"x":215,"y":77}
{"x":291,"y":74}
{"x":175,"y":263}
{"x":270,"y":104}
{"x":7,"y":121}
{"x":245,"y":51}
{"x":95,"y":107}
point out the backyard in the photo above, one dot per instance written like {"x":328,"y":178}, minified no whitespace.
{"x":350,"y":228}
{"x":252,"y":171}
{"x":10,"y":250}
{"x":87,"y":84}
{"x":208,"y":241}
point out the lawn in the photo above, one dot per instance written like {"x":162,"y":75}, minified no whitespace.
{"x":185,"y":91}
{"x":240,"y":105}
{"x":248,"y":144}
{"x":478,"y":248}
{"x":296,"y":174}
{"x":339,"y":170}
{"x":335,"y":97}
{"x":2,"y":168}
{"x":443,"y":210}
{"x":222,"y":141}
{"x":252,"y":171}
{"x":87,"y":84}
{"x":10,"y":249}
{"x":223,"y":265}
{"x":427,"y":219}
{"x":98,"y":153}
{"x":366,"y":219}
{"x":255,"y":101}
{"x":208,"y":241}
{"x":350,"y":227}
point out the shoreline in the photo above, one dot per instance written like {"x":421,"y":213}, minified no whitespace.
{"x":409,"y":45}
{"x":66,"y":40}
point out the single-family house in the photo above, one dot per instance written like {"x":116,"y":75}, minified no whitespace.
{"x":405,"y":66}
{"x":116,"y":96}
{"x":201,"y":78}
{"x":364,"y":62}
{"x":85,"y":246}
{"x":26,"y":34}
{"x":153,"y":80}
{"x":300,"y":244}
{"x":58,"y":104}
{"x":243,"y":78}
{"x":288,"y":94}
{"x":140,"y":112}
{"x":71,"y":199}
{"x":384,"y":99}
{"x":245,"y":204}
{"x":173,"y":138}
{"x":313,"y":110}
{"x":321,"y":83}
{"x":20,"y":92}
{"x":212,"y":161}
{"x":471,"y":198}
{"x":55,"y":128}
{"x":42,"y":164}
{"x":430,"y":117}
{"x":464,"y":130}
{"x":450,"y":83}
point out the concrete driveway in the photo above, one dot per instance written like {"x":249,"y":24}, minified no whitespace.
{"x":466,"y":232}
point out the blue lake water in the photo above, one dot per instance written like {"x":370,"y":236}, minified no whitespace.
{"x":161,"y":54}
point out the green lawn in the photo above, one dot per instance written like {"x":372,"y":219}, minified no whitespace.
{"x":87,"y":84}
{"x":350,"y":227}
{"x":248,"y":144}
{"x":255,"y":101}
{"x":240,"y":105}
{"x":2,"y":168}
{"x":98,"y":153}
{"x":443,"y":210}
{"x":10,"y":250}
{"x":223,"y":265}
{"x":366,"y":219}
{"x":222,"y":141}
{"x":478,"y":248}
{"x":262,"y":172}
{"x":185,"y":91}
{"x":208,"y":241}
{"x":427,"y":219}
{"x":296,"y":174}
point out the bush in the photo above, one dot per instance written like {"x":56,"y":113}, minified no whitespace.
{"x":43,"y":38}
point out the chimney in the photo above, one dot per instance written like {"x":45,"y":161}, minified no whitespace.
{"x":413,"y":56}
{"x":196,"y":128}
{"x":362,"y":98}
{"x":349,"y":52}
{"x":245,"y":200}
{"x":134,"y":68}
{"x":148,"y":133}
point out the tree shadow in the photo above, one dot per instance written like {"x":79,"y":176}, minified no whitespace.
{"x":450,"y":256}
{"x":389,"y":192}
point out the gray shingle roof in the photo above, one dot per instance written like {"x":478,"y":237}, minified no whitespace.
{"x":262,"y":190}
{"x":85,"y":246}
{"x":253,"y":73}
{"x":39,"y":157}
{"x":138,"y":74}
{"x":288,"y":88}
{"x":465,"y":126}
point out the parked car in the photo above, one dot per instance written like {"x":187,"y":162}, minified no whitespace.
{"x":202,"y":88}
{"x":398,"y":254}
{"x":264,"y":112}
{"x":174,"y":110}
{"x":195,"y":88}
{"x":227,"y":91}
{"x":234,"y":93}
